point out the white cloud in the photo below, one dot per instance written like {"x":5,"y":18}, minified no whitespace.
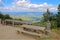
{"x":53,"y":9}
{"x":26,"y":5}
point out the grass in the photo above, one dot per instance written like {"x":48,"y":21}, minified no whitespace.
{"x":50,"y":37}
{"x":56,"y":30}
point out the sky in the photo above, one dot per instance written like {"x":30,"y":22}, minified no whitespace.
{"x":28,"y":5}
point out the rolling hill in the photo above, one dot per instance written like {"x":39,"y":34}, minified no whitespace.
{"x":31,"y":16}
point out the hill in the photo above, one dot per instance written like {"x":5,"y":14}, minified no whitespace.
{"x":32,"y":16}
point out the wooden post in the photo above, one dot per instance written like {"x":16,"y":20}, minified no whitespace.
{"x":48,"y":26}
{"x":0,"y":21}
{"x":5,"y":22}
{"x":13,"y":22}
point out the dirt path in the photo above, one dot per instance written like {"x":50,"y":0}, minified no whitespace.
{"x":55,"y":36}
{"x":9,"y":33}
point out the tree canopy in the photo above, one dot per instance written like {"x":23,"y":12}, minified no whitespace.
{"x":3,"y":17}
{"x":48,"y":15}
{"x":58,"y":16}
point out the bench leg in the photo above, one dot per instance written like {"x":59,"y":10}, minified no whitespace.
{"x":18,"y":32}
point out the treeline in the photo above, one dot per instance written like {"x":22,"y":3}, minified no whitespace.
{"x":6,"y":16}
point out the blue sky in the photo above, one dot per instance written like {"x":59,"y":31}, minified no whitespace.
{"x":55,"y":2}
{"x":8,"y":2}
{"x":30,"y":5}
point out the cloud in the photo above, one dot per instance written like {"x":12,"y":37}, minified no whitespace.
{"x":26,"y":5}
{"x":53,"y":9}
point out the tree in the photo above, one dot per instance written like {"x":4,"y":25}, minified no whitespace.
{"x":58,"y":16}
{"x":59,"y":9}
{"x":47,"y":15}
{"x":51,"y":17}
{"x":1,"y":15}
{"x":6,"y":16}
{"x":20,"y":19}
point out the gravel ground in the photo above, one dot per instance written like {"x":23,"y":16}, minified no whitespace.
{"x":9,"y":33}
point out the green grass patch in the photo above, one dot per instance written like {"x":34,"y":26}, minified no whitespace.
{"x":56,"y":30}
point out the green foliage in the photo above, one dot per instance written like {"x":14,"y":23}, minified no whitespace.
{"x":53,"y":24}
{"x":40,"y":24}
{"x":20,"y":19}
{"x":47,"y":15}
{"x":58,"y":20}
{"x":59,"y":8}
{"x":58,"y":16}
{"x":7,"y":17}
{"x":56,"y":30}
{"x":3,"y":17}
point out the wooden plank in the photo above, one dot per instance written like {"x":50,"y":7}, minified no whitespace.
{"x":30,"y":33}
